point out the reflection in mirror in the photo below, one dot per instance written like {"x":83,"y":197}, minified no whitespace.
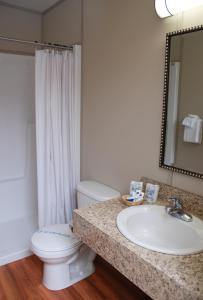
{"x":182,"y":143}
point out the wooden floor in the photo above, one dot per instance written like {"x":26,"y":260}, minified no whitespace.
{"x":21,"y":280}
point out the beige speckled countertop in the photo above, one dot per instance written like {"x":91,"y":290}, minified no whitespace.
{"x":161,"y":276}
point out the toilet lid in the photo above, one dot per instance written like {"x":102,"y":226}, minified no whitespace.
{"x":97,"y":191}
{"x":55,"y":238}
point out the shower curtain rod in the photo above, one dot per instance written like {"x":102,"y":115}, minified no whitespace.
{"x":36,"y":43}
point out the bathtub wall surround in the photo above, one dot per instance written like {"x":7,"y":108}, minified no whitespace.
{"x":180,"y":277}
{"x":18,"y":186}
{"x":18,"y":191}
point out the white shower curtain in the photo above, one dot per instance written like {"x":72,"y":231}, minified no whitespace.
{"x":58,"y":100}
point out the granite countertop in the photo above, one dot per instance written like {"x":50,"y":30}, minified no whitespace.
{"x":161,"y":276}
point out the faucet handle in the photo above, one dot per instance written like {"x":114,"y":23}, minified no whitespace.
{"x":176,"y":203}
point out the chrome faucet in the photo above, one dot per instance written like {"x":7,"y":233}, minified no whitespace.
{"x":175,"y":209}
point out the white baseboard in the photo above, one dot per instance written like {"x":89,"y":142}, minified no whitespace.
{"x":14,"y":256}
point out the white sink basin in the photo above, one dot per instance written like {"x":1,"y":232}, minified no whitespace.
{"x":151,"y":227}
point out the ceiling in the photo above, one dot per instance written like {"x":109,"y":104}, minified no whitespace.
{"x":39,"y":6}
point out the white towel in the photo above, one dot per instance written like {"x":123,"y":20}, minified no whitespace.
{"x":190,"y":121}
{"x":193,"y":129}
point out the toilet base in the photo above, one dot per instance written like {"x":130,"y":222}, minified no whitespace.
{"x":60,"y":276}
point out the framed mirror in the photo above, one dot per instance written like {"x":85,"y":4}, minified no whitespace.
{"x":182,"y":118}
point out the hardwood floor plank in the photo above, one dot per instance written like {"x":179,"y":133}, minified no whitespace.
{"x":120,"y":285}
{"x":25,"y":284}
{"x":2,"y":292}
{"x":9,"y":286}
{"x":74,"y":293}
{"x":87,"y":291}
{"x":22,"y":280}
{"x":105,"y":284}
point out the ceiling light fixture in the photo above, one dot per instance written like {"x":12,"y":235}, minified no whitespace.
{"x":166,"y":8}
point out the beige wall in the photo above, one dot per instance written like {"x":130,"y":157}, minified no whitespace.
{"x":62,"y":24}
{"x":123,"y":67}
{"x":19,"y":24}
{"x":123,"y":63}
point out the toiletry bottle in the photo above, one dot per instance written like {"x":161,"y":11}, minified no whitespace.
{"x":151,"y":192}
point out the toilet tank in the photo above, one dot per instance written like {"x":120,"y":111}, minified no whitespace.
{"x":90,"y":192}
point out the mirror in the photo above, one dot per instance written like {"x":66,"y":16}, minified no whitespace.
{"x":182,"y":120}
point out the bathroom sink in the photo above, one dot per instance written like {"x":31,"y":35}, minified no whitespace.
{"x":151,"y":227}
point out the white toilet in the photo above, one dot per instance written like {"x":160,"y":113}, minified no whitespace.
{"x":66,"y":259}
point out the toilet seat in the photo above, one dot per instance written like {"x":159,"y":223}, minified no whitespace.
{"x":55,"y":240}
